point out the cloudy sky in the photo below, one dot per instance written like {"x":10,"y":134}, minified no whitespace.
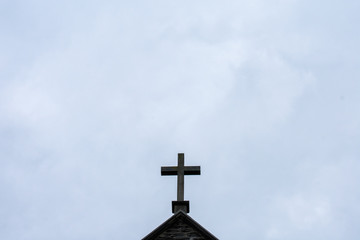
{"x":96,"y":96}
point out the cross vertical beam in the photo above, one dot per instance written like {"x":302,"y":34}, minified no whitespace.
{"x":180,"y":178}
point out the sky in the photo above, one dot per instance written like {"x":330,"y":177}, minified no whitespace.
{"x":96,"y":96}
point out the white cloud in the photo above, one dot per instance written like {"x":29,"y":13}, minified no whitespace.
{"x":114,"y":90}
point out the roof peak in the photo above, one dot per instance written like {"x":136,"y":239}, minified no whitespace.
{"x":180,"y":225}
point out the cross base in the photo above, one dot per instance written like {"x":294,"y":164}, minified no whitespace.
{"x":180,"y":206}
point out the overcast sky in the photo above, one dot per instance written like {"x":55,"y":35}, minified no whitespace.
{"x":96,"y":96}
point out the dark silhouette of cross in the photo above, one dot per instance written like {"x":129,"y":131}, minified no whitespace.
{"x":180,"y":170}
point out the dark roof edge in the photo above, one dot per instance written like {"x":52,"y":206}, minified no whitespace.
{"x":172,"y":219}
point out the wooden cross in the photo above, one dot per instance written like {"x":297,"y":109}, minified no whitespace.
{"x":180,"y":170}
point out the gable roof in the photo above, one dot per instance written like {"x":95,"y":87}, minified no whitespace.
{"x":180,"y":226}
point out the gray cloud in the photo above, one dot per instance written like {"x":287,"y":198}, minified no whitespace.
{"x":96,"y":96}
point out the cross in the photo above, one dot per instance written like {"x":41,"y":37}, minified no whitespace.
{"x":180,"y":170}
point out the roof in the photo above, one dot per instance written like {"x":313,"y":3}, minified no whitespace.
{"x":180,"y":226}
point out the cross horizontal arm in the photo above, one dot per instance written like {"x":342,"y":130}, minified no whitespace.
{"x":167,"y":171}
{"x":188,"y":170}
{"x":192,"y":170}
